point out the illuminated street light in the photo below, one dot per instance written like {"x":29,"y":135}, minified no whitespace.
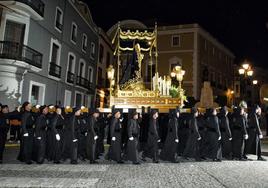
{"x":255,"y":82}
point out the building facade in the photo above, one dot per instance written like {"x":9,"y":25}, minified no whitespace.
{"x":105,"y":59}
{"x":48,"y":53}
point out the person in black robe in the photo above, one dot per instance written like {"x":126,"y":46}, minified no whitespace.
{"x":92,"y":136}
{"x":40,"y":134}
{"x":153,"y":140}
{"x":239,"y":133}
{"x":116,"y":133}
{"x":101,"y":126}
{"x":75,"y":122}
{"x":27,"y":124}
{"x":226,"y":134}
{"x":133,"y":131}
{"x":213,"y":136}
{"x":4,"y":127}
{"x":172,"y":139}
{"x":253,"y":144}
{"x":183,"y":132}
{"x":67,"y":133}
{"x":83,"y":134}
{"x":192,"y":149}
{"x":50,"y":134}
{"x":58,"y":124}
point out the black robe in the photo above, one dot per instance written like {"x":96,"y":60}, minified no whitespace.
{"x":170,"y":146}
{"x":26,"y":146}
{"x":226,"y":134}
{"x":253,"y":144}
{"x":40,"y":138}
{"x":4,"y":127}
{"x":91,"y":142}
{"x":192,"y":148}
{"x":116,"y":146}
{"x":58,"y":128}
{"x":133,"y":130}
{"x":239,"y":130}
{"x":183,"y":133}
{"x":213,"y":149}
{"x":100,"y":131}
{"x":82,"y":138}
{"x":50,"y":137}
{"x":151,"y":150}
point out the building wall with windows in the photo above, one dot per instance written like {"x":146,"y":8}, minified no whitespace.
{"x":51,"y":56}
{"x":104,"y":60}
{"x":201,"y":56}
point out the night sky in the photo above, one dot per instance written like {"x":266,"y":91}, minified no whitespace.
{"x":242,"y":26}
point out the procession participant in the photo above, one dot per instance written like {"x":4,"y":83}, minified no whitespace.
{"x":239,"y":133}
{"x":133,"y":130}
{"x":15,"y":125}
{"x":226,"y":134}
{"x":58,"y":125}
{"x":67,"y":133}
{"x":192,"y":149}
{"x":253,"y":144}
{"x":101,"y":127}
{"x":40,"y":134}
{"x":50,"y":134}
{"x":172,"y":140}
{"x":183,"y":132}
{"x":75,"y":123}
{"x":116,"y":142}
{"x":153,"y":140}
{"x":4,"y":127}
{"x":83,"y":134}
{"x":27,"y":124}
{"x":92,"y":135}
{"x":213,"y":136}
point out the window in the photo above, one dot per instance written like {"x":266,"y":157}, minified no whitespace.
{"x":71,"y":68}
{"x":108,"y":59}
{"x":90,"y":74}
{"x":100,"y":82}
{"x":37,"y":93}
{"x":58,"y":19}
{"x":206,"y":46}
{"x":71,"y":63}
{"x":176,"y":40}
{"x":67,"y":98}
{"x":81,"y":71}
{"x":84,"y":43}
{"x":92,"y":50}
{"x":101,"y":53}
{"x":55,"y":53}
{"x":78,"y":99}
{"x":74,"y":33}
{"x":213,"y":51}
{"x":14,"y":32}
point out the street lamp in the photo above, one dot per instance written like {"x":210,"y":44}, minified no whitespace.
{"x":246,"y":72}
{"x":255,"y":82}
{"x":110,"y":76}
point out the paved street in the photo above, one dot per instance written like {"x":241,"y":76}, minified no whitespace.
{"x":108,"y":174}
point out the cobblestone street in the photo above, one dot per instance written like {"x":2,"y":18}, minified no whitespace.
{"x":107,"y":174}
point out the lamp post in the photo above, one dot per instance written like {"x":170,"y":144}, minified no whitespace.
{"x":110,"y":76}
{"x":245,"y":72}
{"x":178,"y":73}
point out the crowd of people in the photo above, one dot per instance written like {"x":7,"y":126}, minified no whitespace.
{"x":55,"y":134}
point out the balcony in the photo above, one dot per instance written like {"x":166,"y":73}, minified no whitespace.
{"x":20,"y":52}
{"x":55,"y":70}
{"x":35,"y":8}
{"x":70,"y":77}
{"x":83,"y":82}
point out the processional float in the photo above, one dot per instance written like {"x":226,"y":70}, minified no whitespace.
{"x":127,"y":87}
